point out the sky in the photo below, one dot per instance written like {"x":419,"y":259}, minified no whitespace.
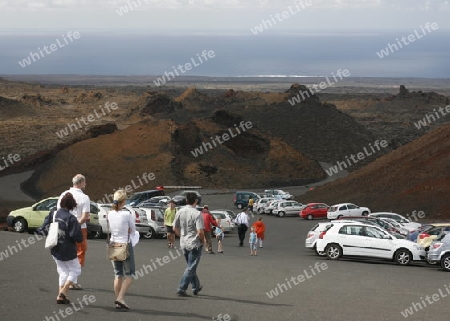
{"x":220,"y":16}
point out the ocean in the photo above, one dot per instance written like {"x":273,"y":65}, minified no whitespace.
{"x":244,"y":55}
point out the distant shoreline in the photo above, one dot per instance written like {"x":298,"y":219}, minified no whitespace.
{"x":259,"y":83}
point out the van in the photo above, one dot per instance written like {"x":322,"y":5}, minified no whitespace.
{"x":139,"y":197}
{"x":241,"y":198}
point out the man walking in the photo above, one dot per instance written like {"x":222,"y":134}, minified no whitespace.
{"x":188,"y":225}
{"x":81,"y":211}
{"x":242,"y":222}
{"x":208,"y":222}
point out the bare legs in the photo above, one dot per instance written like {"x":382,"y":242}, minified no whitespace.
{"x":121,"y":285}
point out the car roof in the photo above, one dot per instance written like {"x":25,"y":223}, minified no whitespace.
{"x":340,"y":204}
{"x":316,"y":204}
{"x":386,"y":213}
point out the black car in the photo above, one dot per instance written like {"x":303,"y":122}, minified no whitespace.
{"x":140,"y":197}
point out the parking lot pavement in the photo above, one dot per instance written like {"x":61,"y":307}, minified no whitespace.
{"x":284,"y":282}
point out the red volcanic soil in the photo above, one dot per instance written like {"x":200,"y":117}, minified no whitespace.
{"x":414,"y":177}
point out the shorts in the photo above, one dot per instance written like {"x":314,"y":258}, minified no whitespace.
{"x":127,"y":267}
{"x":220,"y":237}
{"x":169,"y":229}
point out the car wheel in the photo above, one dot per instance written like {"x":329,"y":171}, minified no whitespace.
{"x":365,"y":213}
{"x":259,"y":210}
{"x":310,"y":217}
{"x":403,"y":257}
{"x":150,"y":234}
{"x":239,"y":206}
{"x":339,"y":217}
{"x":20,"y":225}
{"x":333,"y":251}
{"x":445,"y":262}
{"x":281,"y":214}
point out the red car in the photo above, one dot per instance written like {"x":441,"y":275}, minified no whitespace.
{"x":314,"y":210}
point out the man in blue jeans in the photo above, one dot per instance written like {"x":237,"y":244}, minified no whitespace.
{"x":188,"y":225}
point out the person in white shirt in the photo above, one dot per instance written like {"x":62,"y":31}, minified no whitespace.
{"x":82,"y":214}
{"x":122,"y":229}
{"x":242,"y":223}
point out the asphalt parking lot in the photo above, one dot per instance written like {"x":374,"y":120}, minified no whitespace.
{"x":236,"y":285}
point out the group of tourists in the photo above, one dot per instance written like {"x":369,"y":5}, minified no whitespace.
{"x":194,"y":228}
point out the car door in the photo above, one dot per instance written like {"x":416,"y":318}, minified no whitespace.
{"x":343,"y":211}
{"x":353,"y":210}
{"x":295,"y":208}
{"x":320,"y":210}
{"x":351,"y":239}
{"x":377,"y":245}
{"x":40,"y":211}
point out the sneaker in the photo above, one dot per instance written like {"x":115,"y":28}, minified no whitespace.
{"x":197,"y":291}
{"x":182,"y":293}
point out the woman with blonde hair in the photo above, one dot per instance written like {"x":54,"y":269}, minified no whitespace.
{"x":122,"y":229}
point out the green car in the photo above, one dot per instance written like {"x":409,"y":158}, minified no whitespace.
{"x":30,"y":218}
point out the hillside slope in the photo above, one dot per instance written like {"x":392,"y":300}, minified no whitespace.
{"x":414,"y":177}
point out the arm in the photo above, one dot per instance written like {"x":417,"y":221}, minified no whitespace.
{"x":176,"y":225}
{"x":213,"y":220}
{"x":83,"y":218}
{"x":200,"y":226}
{"x":85,"y":211}
{"x":75,"y":230}
{"x":132,"y":224}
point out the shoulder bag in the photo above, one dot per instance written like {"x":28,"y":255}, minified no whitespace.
{"x":52,"y":237}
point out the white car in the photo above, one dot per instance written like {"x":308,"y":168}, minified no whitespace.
{"x":270,"y":205}
{"x":313,"y":236}
{"x":359,"y":239}
{"x":278,"y":194}
{"x":287,"y":208}
{"x":410,"y":226}
{"x":258,"y":207}
{"x":399,"y":226}
{"x":346,"y":209}
{"x":225,"y":220}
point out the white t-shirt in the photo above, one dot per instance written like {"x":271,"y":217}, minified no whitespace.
{"x":119,"y":224}
{"x":83,"y":203}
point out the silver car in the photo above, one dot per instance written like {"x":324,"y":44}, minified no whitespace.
{"x":439,"y":252}
{"x":287,"y":208}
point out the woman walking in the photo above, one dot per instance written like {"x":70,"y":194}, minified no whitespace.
{"x":65,"y":251}
{"x":122,"y":229}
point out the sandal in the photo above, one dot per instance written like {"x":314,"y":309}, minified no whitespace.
{"x":122,"y":305}
{"x":75,"y":286}
{"x":63,"y":300}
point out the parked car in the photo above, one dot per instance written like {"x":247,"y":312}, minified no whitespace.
{"x":155,"y":201}
{"x":258,"y":207}
{"x":180,"y":198}
{"x":439,"y":252}
{"x":346,"y":209}
{"x":140,"y":220}
{"x":240,"y":198}
{"x":30,"y":218}
{"x":232,"y":215}
{"x":278,"y":194}
{"x":314,"y":210}
{"x":139,"y":197}
{"x":155,"y":217}
{"x":363,"y":240}
{"x":395,"y":226}
{"x":225,"y":220}
{"x":313,"y":236}
{"x":426,"y":238}
{"x":268,"y":208}
{"x":287,"y":208}
{"x":375,"y":221}
{"x":411,"y":226}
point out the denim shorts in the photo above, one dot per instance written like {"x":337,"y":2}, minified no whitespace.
{"x":127,"y":267}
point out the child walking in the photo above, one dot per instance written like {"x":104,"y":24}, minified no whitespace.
{"x":219,"y":236}
{"x":252,"y":240}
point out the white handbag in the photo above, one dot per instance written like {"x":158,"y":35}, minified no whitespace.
{"x":52,"y":237}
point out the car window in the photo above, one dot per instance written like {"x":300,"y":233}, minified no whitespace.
{"x":351,"y":207}
{"x":94,"y":209}
{"x":332,"y":209}
{"x":352,"y":230}
{"x":343,"y":208}
{"x":219,"y":215}
{"x":373,"y":232}
{"x":46,"y":205}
